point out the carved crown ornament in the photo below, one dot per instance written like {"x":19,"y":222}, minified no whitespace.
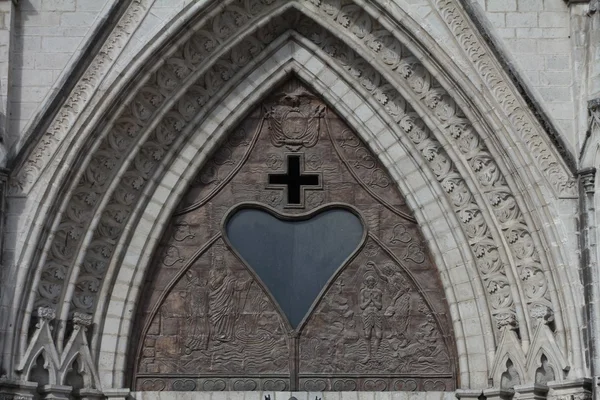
{"x":189,"y":66}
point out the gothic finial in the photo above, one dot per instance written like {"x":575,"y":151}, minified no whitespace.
{"x":46,"y":313}
{"x":509,"y":320}
{"x":82,"y":319}
{"x":542,"y":313}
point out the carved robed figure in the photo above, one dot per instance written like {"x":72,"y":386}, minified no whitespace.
{"x":293,"y":263}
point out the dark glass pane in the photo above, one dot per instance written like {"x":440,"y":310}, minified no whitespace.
{"x":296,"y":258}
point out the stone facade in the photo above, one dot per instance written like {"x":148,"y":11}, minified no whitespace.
{"x":483,"y":116}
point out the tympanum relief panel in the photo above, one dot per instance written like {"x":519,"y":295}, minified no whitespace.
{"x":293,"y":263}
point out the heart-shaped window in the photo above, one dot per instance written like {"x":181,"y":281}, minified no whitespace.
{"x":295,"y":257}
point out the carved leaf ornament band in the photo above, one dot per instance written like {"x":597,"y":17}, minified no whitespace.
{"x":561,"y":180}
{"x":194,"y":67}
{"x":47,"y":146}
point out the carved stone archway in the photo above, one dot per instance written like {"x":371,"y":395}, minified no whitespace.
{"x":451,"y":253}
{"x":395,"y":77}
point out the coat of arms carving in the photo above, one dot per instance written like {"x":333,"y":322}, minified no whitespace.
{"x":280,"y":290}
{"x":294,"y":122}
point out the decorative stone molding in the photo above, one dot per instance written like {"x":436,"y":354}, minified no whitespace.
{"x":468,"y":394}
{"x":544,"y":358}
{"x":46,"y":147}
{"x":55,"y":392}
{"x":498,"y":394}
{"x":554,"y":168}
{"x":99,"y":174}
{"x":60,"y":360}
{"x":17,"y":390}
{"x":531,"y":392}
{"x":375,"y":39}
{"x":509,"y":367}
{"x":449,"y":9}
{"x":117,"y":394}
{"x":513,"y":367}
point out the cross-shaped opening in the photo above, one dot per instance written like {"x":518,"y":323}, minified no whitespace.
{"x":294,"y":179}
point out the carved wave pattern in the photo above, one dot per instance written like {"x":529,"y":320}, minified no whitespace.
{"x":374,"y":319}
{"x":215,"y":319}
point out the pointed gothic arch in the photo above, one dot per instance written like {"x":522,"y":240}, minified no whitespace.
{"x":511,"y":197}
{"x":264,"y":80}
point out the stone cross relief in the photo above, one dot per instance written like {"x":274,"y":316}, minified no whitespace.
{"x":221,"y":316}
{"x":294,"y":181}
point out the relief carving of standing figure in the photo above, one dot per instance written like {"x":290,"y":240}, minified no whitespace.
{"x":371,"y":304}
{"x":399,"y":307}
{"x":226,"y":299}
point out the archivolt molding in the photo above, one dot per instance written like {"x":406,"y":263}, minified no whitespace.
{"x":178,"y":91}
{"x":458,"y":130}
{"x":553,"y":168}
{"x":451,"y":253}
{"x":399,"y":61}
{"x":48,"y":144}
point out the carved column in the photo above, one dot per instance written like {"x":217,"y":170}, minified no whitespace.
{"x":531,"y":392}
{"x":580,"y":389}
{"x":589,"y":262}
